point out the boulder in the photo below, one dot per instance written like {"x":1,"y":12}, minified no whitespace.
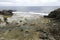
{"x":6,"y":14}
{"x":54,"y":14}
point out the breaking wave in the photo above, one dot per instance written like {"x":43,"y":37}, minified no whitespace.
{"x":42,"y":14}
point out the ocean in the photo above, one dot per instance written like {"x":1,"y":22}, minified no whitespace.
{"x":31,"y":9}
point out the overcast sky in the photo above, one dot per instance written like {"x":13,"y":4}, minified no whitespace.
{"x":29,"y":2}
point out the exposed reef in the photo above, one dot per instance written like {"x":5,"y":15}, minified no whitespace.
{"x":55,"y":14}
{"x":6,"y":14}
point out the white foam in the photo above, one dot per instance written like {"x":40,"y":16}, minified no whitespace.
{"x":42,"y":14}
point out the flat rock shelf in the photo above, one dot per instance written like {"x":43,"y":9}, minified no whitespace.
{"x":25,"y":27}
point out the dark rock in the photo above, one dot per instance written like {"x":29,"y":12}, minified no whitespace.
{"x":6,"y":13}
{"x":54,"y":14}
{"x":21,"y":30}
{"x":46,"y":16}
{"x":43,"y":37}
{"x":27,"y":32}
{"x":25,"y":24}
{"x":20,"y":20}
{"x":41,"y":31}
{"x":9,"y":30}
{"x":10,"y":11}
{"x":32,"y":24}
{"x":5,"y":20}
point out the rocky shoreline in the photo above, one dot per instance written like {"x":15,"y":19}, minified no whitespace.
{"x":29,"y":27}
{"x":27,"y":24}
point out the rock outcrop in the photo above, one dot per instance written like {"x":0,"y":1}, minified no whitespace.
{"x":54,"y":23}
{"x":54,"y":14}
{"x":6,"y":14}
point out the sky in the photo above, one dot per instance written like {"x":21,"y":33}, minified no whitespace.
{"x":29,"y":2}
